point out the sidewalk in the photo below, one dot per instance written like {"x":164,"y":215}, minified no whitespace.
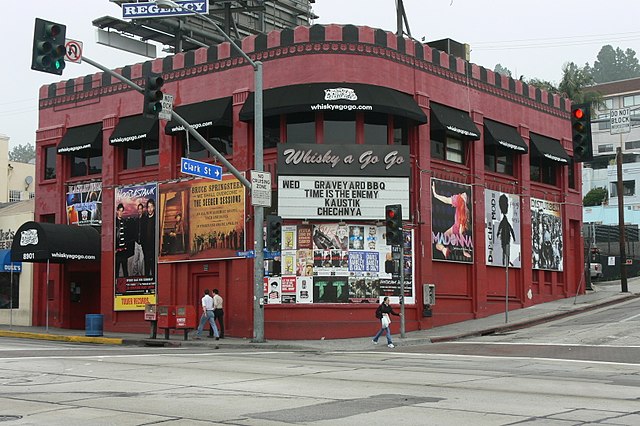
{"x":603,"y":294}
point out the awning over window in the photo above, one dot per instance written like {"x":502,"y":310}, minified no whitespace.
{"x":505,"y":136}
{"x":453,"y":121}
{"x":134,"y":129}
{"x":335,"y":97}
{"x":39,"y":242}
{"x":82,"y":140}
{"x":542,"y":146}
{"x":5,"y":262}
{"x":203,"y":114}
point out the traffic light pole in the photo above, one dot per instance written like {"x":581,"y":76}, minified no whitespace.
{"x":402,"y":334}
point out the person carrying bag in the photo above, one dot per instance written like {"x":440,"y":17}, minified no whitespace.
{"x":382,"y":313}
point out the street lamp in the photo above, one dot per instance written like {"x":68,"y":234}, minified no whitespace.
{"x":258,"y":211}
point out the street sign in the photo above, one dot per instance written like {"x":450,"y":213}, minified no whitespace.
{"x":260,"y":188}
{"x":620,"y":121}
{"x":152,"y":10}
{"x":167,"y":107}
{"x":200,"y":169}
{"x":73,"y":51}
{"x":246,"y":253}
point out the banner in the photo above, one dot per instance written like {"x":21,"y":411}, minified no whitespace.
{"x":135,"y":247}
{"x":546,"y":235}
{"x":84,"y":204}
{"x":451,"y":221}
{"x":502,"y":224}
{"x":202,"y":219}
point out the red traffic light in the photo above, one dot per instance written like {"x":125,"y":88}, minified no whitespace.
{"x":391,"y":214}
{"x":578,"y":113}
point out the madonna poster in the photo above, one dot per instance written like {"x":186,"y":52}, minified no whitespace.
{"x":451,"y":221}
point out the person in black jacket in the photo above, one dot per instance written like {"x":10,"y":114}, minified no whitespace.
{"x":382,"y":313}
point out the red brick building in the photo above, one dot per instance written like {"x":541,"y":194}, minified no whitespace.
{"x":465,"y":135}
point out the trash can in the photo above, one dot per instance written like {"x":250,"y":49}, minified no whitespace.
{"x":93,"y":325}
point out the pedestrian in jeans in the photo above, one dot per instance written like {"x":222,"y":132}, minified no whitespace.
{"x":207,"y":315}
{"x":382,"y":313}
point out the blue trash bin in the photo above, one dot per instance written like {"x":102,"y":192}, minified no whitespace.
{"x":93,"y":324}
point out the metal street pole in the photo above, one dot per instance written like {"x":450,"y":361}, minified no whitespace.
{"x":258,"y":211}
{"x":623,"y":253}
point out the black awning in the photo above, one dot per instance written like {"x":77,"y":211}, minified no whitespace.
{"x":551,"y":149}
{"x":505,"y":136}
{"x":133,"y":129}
{"x":453,"y":121}
{"x":336,"y":97}
{"x":82,"y":140}
{"x":203,"y":114}
{"x":39,"y":242}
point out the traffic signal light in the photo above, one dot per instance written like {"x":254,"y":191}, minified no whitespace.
{"x":48,"y":47}
{"x":153,"y":96}
{"x":394,"y":224}
{"x":274,"y":233}
{"x":581,"y":132}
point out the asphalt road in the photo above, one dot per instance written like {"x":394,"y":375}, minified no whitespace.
{"x":580,"y":370}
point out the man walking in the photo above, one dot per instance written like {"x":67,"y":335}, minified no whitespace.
{"x":207,"y":315}
{"x":218,"y":312}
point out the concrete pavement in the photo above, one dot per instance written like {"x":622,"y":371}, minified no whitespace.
{"x":603,"y":294}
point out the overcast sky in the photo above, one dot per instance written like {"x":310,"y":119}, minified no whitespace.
{"x":533,"y":39}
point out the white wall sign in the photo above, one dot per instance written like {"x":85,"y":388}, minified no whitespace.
{"x":338,"y":197}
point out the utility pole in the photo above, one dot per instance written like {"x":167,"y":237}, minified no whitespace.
{"x":623,"y":253}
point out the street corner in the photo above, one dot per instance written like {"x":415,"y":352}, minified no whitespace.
{"x":60,"y":338}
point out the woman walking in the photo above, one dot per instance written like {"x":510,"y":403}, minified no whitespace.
{"x":382,"y":313}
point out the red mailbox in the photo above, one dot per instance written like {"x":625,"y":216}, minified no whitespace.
{"x":166,"y":316}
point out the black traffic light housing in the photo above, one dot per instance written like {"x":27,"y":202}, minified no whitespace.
{"x":153,"y":96}
{"x":48,"y":47}
{"x":393,"y":221}
{"x":274,"y":233}
{"x":581,"y":132}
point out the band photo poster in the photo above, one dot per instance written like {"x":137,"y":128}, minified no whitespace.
{"x":451,"y":221}
{"x":546,"y":235}
{"x":502,"y":224}
{"x":337,"y":263}
{"x":135,"y":247}
{"x":201,"y":219}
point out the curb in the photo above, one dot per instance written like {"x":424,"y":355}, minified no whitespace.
{"x":60,"y":338}
{"x":534,"y":321}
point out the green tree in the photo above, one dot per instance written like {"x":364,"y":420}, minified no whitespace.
{"x":595,"y":197}
{"x":615,"y":64}
{"x":502,"y":70}
{"x":22,"y":153}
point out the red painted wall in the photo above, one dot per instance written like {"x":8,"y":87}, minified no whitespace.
{"x":469,"y":291}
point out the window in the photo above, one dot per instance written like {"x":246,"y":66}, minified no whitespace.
{"x":632,"y":145}
{"x":572,"y":174}
{"x":339,"y":128}
{"x":50,"y":156}
{"x":141,"y":154}
{"x":447,"y":147}
{"x":301,"y":128}
{"x":605,"y":148}
{"x":604,"y":125}
{"x":498,"y":159}
{"x":375,"y":129}
{"x":543,"y":171}
{"x":220,"y":137}
{"x":83,"y":166}
{"x":608,"y":103}
{"x":14,"y":195}
{"x":271,"y":132}
{"x":629,"y":101}
{"x":9,"y":291}
{"x":628,"y":188}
